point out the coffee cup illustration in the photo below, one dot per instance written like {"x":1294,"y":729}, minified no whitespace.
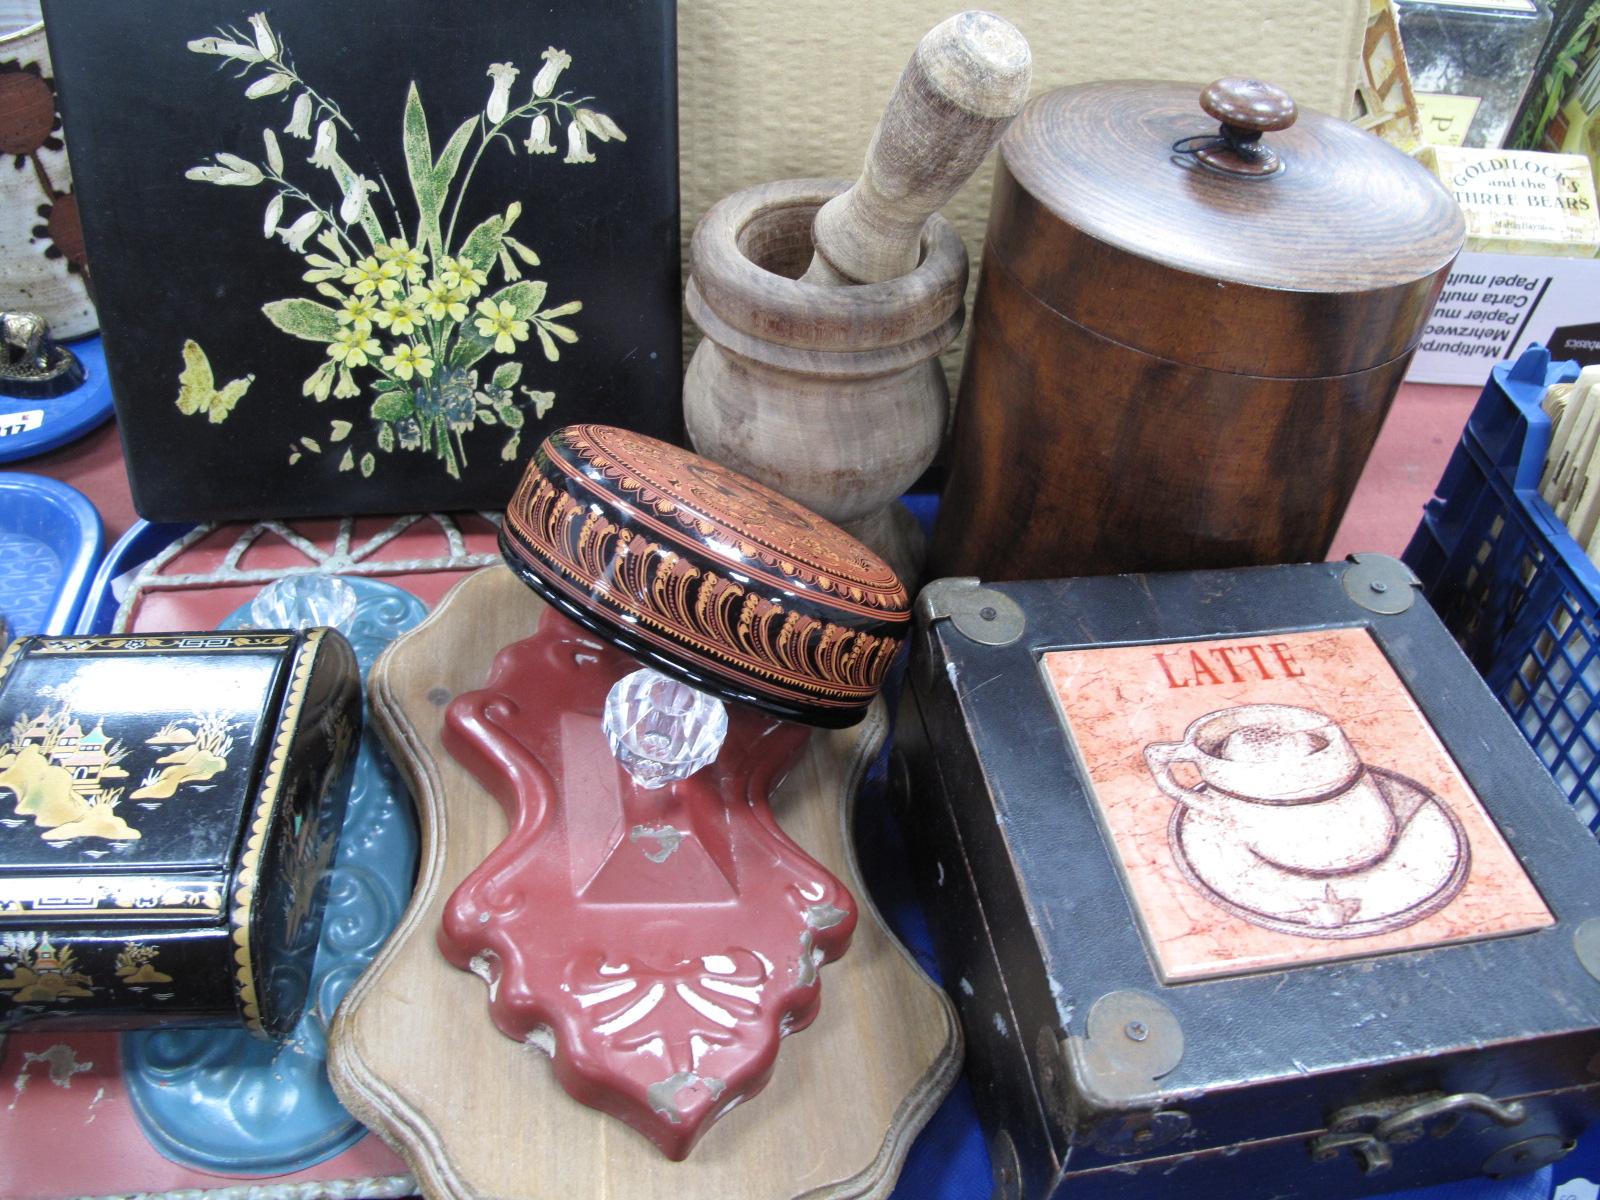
{"x":1282,"y":781}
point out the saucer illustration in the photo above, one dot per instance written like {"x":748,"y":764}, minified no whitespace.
{"x":1423,"y":870}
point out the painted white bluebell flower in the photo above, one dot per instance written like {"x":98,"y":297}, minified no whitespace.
{"x":300,"y":117}
{"x":539,"y":136}
{"x":226,"y":47}
{"x":265,"y":42}
{"x":503,"y":75}
{"x":597,"y":123}
{"x":268,"y":85}
{"x":230,"y":170}
{"x":295,"y":236}
{"x":274,"y":154}
{"x":325,"y":150}
{"x":555,"y":62}
{"x":355,"y":198}
{"x":577,"y":145}
{"x":269,"y":223}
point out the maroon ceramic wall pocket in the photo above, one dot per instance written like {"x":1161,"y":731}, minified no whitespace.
{"x":658,"y":936}
{"x":169,"y":805}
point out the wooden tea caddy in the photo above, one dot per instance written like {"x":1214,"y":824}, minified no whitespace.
{"x":1186,"y":335}
{"x":415,"y":1055}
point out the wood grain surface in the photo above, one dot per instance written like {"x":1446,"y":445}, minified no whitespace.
{"x":966,"y":80}
{"x":1328,"y":267}
{"x":1074,"y":455}
{"x":477,"y":1115}
{"x":832,"y":396}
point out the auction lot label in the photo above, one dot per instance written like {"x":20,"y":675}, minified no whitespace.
{"x":1495,"y":305}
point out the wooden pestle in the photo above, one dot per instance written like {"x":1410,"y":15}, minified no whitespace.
{"x":966,"y":80}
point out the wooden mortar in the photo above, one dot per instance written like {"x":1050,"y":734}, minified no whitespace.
{"x":831,"y":395}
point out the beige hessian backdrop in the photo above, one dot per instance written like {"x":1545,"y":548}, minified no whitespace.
{"x":777,"y":89}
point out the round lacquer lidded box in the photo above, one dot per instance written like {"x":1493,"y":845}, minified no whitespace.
{"x":1195,"y":307}
{"x":706,"y":574}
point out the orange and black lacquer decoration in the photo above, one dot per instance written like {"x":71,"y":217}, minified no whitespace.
{"x":705,"y":574}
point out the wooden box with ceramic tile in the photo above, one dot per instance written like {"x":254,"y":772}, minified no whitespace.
{"x":169,"y":806}
{"x":1243,"y":880}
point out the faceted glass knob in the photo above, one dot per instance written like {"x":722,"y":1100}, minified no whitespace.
{"x":662,"y":730}
{"x":302,"y":601}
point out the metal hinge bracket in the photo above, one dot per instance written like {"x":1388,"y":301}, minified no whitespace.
{"x":1380,"y":584}
{"x":979,"y":614}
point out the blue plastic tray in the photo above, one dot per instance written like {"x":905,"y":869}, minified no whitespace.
{"x":50,"y":541}
{"x":29,"y":427}
{"x":142,"y":541}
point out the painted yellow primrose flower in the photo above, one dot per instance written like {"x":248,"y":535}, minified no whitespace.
{"x":463,"y":275}
{"x":499,"y":321}
{"x":369,"y":275}
{"x":359,"y":312}
{"x":353,"y":347}
{"x":408,"y":359}
{"x":409,"y":259}
{"x":400,"y":316}
{"x":439,"y":300}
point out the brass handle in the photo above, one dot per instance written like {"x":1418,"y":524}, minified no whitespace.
{"x":1396,"y":1126}
{"x":1372,"y":1148}
{"x":1246,"y":109}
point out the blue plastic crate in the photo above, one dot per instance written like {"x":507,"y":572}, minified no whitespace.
{"x":1519,"y":594}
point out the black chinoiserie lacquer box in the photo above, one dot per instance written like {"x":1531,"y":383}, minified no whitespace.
{"x":169,"y":806}
{"x":1245,"y":886}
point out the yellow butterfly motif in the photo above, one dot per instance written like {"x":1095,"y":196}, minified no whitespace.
{"x":197,"y":389}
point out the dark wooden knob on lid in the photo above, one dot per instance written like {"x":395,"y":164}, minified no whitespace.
{"x":1247,"y":109}
{"x":706,"y":574}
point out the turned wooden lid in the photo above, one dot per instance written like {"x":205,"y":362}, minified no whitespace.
{"x":706,"y":574}
{"x":1316,"y":249}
